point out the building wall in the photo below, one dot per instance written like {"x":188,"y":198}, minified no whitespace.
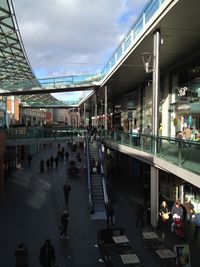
{"x":32,"y":116}
{"x":13,"y":109}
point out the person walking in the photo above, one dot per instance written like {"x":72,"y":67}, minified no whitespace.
{"x":66,"y":155}
{"x":21,"y":255}
{"x":56,"y":161}
{"x":64,"y":224}
{"x":41,"y":165}
{"x":93,"y":165}
{"x":66,"y":188}
{"x":140,"y":214}
{"x":51,"y":161}
{"x":29,"y":159}
{"x":47,"y":256}
{"x":48,"y":164}
{"x":109,"y":213}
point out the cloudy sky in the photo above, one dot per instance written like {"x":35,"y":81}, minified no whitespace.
{"x":70,"y":37}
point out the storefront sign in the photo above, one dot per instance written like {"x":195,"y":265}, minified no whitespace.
{"x":183,"y":107}
{"x":187,"y":93}
{"x":182,"y":91}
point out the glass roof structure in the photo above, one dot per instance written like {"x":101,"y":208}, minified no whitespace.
{"x":13,"y":60}
{"x":16,"y":74}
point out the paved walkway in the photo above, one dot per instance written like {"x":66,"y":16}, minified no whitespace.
{"x":30,"y":210}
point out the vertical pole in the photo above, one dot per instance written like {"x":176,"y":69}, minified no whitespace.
{"x":106,"y":109}
{"x":155,"y":87}
{"x":181,"y":193}
{"x":84,"y":114}
{"x":95,"y":111}
{"x":154,"y":195}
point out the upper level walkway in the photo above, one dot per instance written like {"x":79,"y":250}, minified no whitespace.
{"x":177,"y":156}
{"x":181,"y":152}
{"x":43,"y":135}
{"x":36,"y":133}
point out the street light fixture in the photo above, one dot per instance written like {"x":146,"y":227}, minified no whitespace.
{"x":146,"y":58}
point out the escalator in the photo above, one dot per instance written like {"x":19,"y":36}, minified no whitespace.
{"x":96,"y":181}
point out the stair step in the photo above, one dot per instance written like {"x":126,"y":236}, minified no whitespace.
{"x":97,"y":185}
{"x":97,"y":194}
{"x":97,"y":188}
{"x":97,"y":209}
{"x":99,"y":203}
{"x":96,"y":176}
{"x":97,"y":180}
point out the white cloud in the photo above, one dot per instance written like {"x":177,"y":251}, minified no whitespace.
{"x":58,"y":35}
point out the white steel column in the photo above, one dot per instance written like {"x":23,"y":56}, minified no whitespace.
{"x":181,"y":193}
{"x":84,"y":105}
{"x":95,"y":111}
{"x":155,"y":86}
{"x":154,"y":195}
{"x":106,"y":109}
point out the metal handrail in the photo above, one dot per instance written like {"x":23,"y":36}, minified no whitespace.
{"x":181,"y":152}
{"x":89,"y":173}
{"x":42,"y":132}
{"x":102,"y":173}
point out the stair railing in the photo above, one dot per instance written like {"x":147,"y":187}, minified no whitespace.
{"x":88,"y":173}
{"x":102,"y":172}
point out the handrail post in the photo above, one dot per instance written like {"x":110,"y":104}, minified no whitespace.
{"x":180,"y":145}
{"x":130,"y":140}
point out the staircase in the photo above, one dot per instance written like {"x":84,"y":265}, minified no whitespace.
{"x":97,"y":191}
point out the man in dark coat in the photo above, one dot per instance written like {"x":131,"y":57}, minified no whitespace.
{"x":66,"y":189}
{"x":109,"y":213}
{"x":64,"y":223}
{"x":140,"y":214}
{"x":47,"y":254}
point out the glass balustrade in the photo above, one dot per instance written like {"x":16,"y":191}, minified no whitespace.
{"x":182,"y":153}
{"x":39,"y":132}
{"x":137,"y":28}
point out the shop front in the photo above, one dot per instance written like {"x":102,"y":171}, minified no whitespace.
{"x":173,"y":188}
{"x":185,"y":103}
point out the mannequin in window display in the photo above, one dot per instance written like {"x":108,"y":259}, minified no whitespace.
{"x":187,"y":133}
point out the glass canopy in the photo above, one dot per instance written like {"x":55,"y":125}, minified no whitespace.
{"x":17,"y":76}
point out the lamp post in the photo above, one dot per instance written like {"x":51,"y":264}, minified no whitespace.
{"x":154,"y":180}
{"x":106,"y":108}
